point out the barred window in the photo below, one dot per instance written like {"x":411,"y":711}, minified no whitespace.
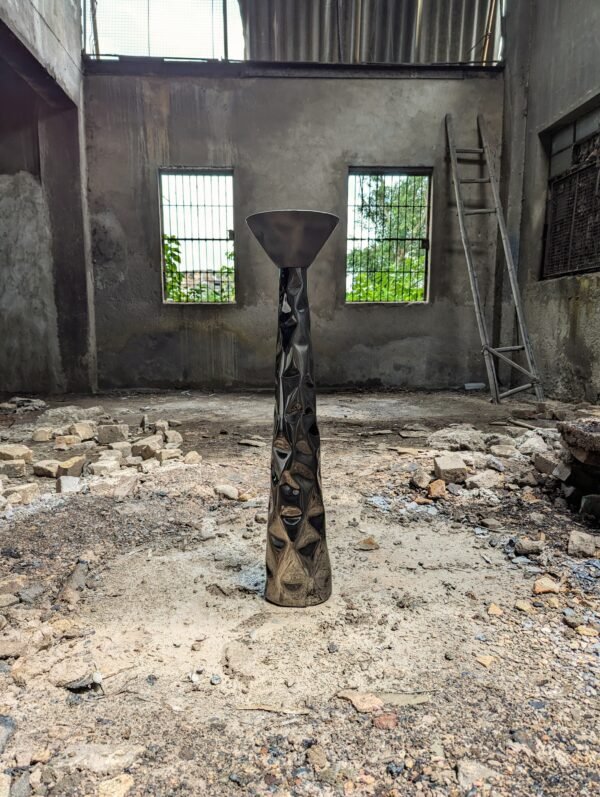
{"x":197,"y":236}
{"x":572,"y":244}
{"x":388,"y":235}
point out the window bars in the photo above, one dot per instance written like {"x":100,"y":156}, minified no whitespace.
{"x":573,"y":223}
{"x":572,"y":244}
{"x":197,"y":236}
{"x":388,"y":236}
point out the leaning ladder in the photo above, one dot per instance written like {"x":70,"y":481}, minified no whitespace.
{"x":490,"y":354}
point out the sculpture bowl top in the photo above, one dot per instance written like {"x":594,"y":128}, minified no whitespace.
{"x":292,"y":238}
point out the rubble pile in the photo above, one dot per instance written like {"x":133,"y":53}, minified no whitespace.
{"x":91,"y":452}
{"x":579,"y":469}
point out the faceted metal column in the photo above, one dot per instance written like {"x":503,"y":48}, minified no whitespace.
{"x":298,"y":569}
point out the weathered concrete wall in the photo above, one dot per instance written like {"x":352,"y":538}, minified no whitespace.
{"x":29,"y":354}
{"x":41,"y":133}
{"x":290,"y":143}
{"x":555,"y":62}
{"x":51,"y":31}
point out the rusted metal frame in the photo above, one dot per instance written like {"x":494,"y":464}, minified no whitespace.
{"x":510,"y":265}
{"x":514,"y":390}
{"x":504,"y":358}
{"x":481,"y":325}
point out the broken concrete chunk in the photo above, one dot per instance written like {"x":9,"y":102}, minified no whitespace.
{"x":47,"y":468}
{"x":126,"y":485}
{"x":487,"y":479}
{"x":42,"y":435}
{"x":12,"y":451}
{"x":192,"y":458}
{"x":227,"y":491}
{"x":133,"y":460}
{"x":148,"y":447}
{"x":116,"y":787}
{"x":502,"y":450}
{"x":148,"y":466}
{"x":166,"y":454}
{"x":545,"y":463}
{"x":526,"y":547}
{"x":562,"y":471}
{"x":582,"y":544}
{"x":457,"y":438}
{"x":450,"y":468}
{"x":533,"y":444}
{"x":420,"y":478}
{"x":173,"y":437}
{"x":22,"y":493}
{"x":123,"y":447}
{"x":160,"y":427}
{"x":112,"y":433}
{"x":437,"y":489}
{"x":85,"y":430}
{"x":71,"y":467}
{"x":112,"y":454}
{"x":14,"y":468}
{"x":544,"y":585}
{"x":68,"y":484}
{"x":363,"y":702}
{"x":64,"y":441}
{"x":104,"y":466}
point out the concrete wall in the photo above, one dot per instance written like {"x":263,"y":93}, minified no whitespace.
{"x":29,"y":355}
{"x":51,"y":31}
{"x":47,"y":338}
{"x":553,"y":72}
{"x":290,"y":142}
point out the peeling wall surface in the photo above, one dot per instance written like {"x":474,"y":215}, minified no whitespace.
{"x":561,"y":43}
{"x":29,"y":355}
{"x":290,"y":142}
{"x":51,"y":31}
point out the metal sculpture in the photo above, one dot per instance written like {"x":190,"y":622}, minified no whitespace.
{"x":298,"y":568}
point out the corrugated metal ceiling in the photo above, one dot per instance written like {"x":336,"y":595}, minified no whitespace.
{"x":372,"y":31}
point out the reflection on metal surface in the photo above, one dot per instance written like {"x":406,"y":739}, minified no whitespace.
{"x":298,"y":568}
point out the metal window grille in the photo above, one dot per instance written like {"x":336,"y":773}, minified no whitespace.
{"x":388,"y":236}
{"x":172,"y":29}
{"x":197,"y":236}
{"x":573,"y":222}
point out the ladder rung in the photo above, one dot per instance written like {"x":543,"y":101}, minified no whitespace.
{"x":475,"y":180}
{"x":479,"y":211}
{"x":516,"y":390}
{"x":510,"y":348}
{"x":469,"y":150}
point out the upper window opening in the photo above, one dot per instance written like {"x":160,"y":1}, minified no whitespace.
{"x":197,"y":236}
{"x":388,"y":236}
{"x":573,"y":210}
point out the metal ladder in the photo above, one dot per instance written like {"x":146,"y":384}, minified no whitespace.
{"x":490,"y":354}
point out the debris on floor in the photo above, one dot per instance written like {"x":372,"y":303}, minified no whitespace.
{"x":458,"y":655}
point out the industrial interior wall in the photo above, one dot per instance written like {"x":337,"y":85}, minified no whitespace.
{"x":560,"y":42}
{"x":46,"y":324}
{"x":51,"y":31}
{"x":290,"y":142}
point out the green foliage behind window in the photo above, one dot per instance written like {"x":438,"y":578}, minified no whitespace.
{"x":387,"y":237}
{"x":220,"y":289}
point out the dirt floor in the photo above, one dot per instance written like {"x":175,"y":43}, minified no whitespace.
{"x":138,"y":656}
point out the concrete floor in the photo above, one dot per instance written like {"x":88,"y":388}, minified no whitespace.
{"x":208,"y":690}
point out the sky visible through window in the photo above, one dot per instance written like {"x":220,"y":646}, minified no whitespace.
{"x":185,"y":29}
{"x":197,"y":220}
